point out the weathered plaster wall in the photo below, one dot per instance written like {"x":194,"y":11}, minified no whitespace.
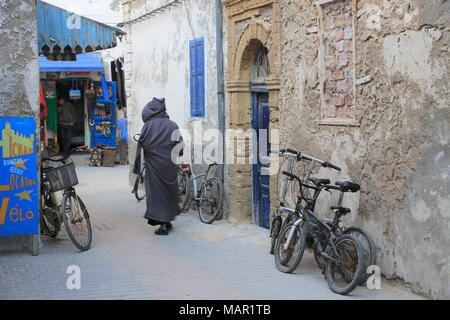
{"x":19,"y":73}
{"x":159,"y":60}
{"x":399,"y":151}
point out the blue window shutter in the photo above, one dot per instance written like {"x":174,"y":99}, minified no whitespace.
{"x":197,"y":74}
{"x":192,"y":75}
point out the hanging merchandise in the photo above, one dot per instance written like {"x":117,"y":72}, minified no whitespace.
{"x":107,"y":104}
{"x":104,"y":128}
{"x":74,"y":94}
{"x":117,"y":73}
{"x":91,"y":98}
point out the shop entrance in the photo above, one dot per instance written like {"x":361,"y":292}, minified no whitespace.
{"x":79,"y":113}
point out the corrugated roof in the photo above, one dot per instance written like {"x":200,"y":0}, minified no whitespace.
{"x":59,"y":29}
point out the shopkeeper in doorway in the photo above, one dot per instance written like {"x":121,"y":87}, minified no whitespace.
{"x":65,"y":120}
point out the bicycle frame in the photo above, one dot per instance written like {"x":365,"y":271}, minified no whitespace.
{"x":195,"y":177}
{"x":305,"y":214}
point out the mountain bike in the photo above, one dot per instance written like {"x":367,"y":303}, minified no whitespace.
{"x":358,"y":232}
{"x":207,"y":194}
{"x":277,"y":222}
{"x":343,"y":254}
{"x":72,"y":211}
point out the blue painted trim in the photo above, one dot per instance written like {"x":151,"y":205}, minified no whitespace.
{"x":197,"y":77}
{"x":84,"y":62}
{"x":259,"y":89}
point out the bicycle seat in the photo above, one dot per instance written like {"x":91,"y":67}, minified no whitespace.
{"x":348,"y":186}
{"x":319,"y":182}
{"x":341,"y":209}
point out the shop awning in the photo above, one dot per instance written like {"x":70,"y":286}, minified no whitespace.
{"x":61,"y":31}
{"x":84,"y":62}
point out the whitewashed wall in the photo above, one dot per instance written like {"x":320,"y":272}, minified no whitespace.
{"x":157,"y":60}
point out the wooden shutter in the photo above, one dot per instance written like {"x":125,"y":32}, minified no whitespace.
{"x":197,"y":77}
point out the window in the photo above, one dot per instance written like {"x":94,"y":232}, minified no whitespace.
{"x":336,"y":59}
{"x":197,"y":73}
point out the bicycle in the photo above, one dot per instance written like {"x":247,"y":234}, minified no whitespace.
{"x":343,"y":254}
{"x":72,"y":211}
{"x":278,"y":223}
{"x":360,"y":233}
{"x":139,"y":184}
{"x":207,"y":194}
{"x":139,"y":189}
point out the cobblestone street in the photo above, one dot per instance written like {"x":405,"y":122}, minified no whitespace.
{"x":128,"y":261}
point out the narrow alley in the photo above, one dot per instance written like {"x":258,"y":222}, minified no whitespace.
{"x":128,"y":261}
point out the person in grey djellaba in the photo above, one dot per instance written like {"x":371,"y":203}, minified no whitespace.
{"x":161,"y":181}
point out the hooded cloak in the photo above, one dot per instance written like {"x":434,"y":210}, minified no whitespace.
{"x":161,"y":181}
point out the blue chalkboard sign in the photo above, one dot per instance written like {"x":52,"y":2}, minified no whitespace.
{"x":18,"y":176}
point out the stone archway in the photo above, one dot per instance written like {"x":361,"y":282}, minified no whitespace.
{"x":243,"y":45}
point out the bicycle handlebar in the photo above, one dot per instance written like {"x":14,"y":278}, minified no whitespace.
{"x":332,"y":166}
{"x":304,"y":156}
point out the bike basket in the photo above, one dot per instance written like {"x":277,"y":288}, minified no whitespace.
{"x":61,"y":177}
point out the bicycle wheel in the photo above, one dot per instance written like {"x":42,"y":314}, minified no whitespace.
{"x":276,"y":226}
{"x":344,"y":276}
{"x":211,"y":200}
{"x":184,"y":190}
{"x":370,"y":256}
{"x":287,"y":260}
{"x":76,"y":221}
{"x":139,"y":186}
{"x":50,"y":223}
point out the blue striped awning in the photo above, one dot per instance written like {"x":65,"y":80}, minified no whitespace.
{"x":83,"y":62}
{"x":60,"y":31}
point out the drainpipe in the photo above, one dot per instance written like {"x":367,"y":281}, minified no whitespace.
{"x":220,"y":84}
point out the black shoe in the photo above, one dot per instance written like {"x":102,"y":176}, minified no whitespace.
{"x":169,"y":226}
{"x":162,"y":231}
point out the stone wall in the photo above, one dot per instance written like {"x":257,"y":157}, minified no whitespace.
{"x":19,"y":74}
{"x":250,"y":24}
{"x":393,"y":137}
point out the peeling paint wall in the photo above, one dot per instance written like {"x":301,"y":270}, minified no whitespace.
{"x":159,"y":60}
{"x":19,"y":74}
{"x":399,"y":152}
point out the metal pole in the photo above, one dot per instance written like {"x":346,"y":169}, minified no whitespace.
{"x":220,"y":84}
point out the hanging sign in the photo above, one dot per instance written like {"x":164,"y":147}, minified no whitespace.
{"x":18,"y":176}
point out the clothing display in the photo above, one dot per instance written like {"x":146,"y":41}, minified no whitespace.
{"x":52,"y":114}
{"x":118,"y":75}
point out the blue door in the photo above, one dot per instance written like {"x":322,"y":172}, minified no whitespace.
{"x":260,"y":170}
{"x":103,"y":126}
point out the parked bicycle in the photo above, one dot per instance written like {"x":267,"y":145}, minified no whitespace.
{"x":343,"y":254}
{"x":139,"y":184}
{"x":207,"y":193}
{"x":278,"y":223}
{"x":71,"y":210}
{"x":358,"y":232}
{"x":139,"y":190}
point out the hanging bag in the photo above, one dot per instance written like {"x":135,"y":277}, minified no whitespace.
{"x":74,"y":94}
